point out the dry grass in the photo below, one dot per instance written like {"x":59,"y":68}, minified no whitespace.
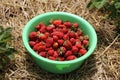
{"x":104,"y":64}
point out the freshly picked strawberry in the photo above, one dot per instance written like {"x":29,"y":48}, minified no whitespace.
{"x":49,"y":42}
{"x":55,"y":45}
{"x":32,"y":43}
{"x":51,"y":52}
{"x":61,"y":50}
{"x":68,"y":53}
{"x":42,"y":36}
{"x":71,"y":57}
{"x":67,"y":44}
{"x":68,"y":24}
{"x":43,"y":54}
{"x":60,"y":42}
{"x":33,"y":36}
{"x":57,"y":22}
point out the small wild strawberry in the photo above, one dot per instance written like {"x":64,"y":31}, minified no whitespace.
{"x":78,"y":45}
{"x":61,"y":26}
{"x":85,"y":42}
{"x":55,"y":38}
{"x":66,"y":37}
{"x":55,"y":54}
{"x":51,"y":52}
{"x":51,"y":58}
{"x":38,"y":27}
{"x":82,"y":51}
{"x":73,"y":41}
{"x":41,"y":48}
{"x":64,"y":30}
{"x":74,"y":49}
{"x":79,"y":32}
{"x":33,"y":36}
{"x":55,"y":45}
{"x":72,"y":34}
{"x":32,"y":43}
{"x":58,"y":33}
{"x":75,"y":25}
{"x":68,"y":24}
{"x":49,"y":42}
{"x":47,"y":34}
{"x":60,"y":42}
{"x":61,"y":50}
{"x":35,"y":47}
{"x":49,"y":48}
{"x":50,"y":28}
{"x":68,"y":53}
{"x":43,"y":54}
{"x":67,"y":44}
{"x":71,"y":57}
{"x":57,"y":22}
{"x":42,"y":36}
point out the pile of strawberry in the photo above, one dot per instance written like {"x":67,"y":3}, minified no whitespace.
{"x":59,"y":40}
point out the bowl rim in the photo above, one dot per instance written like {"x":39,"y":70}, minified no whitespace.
{"x":33,"y":53}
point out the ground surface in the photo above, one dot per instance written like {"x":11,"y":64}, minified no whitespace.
{"x":104,"y":64}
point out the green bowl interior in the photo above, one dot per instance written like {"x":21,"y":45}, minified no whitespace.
{"x":45,"y":18}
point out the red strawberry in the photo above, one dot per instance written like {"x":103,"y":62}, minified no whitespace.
{"x":54,"y":30}
{"x":74,"y":49}
{"x":43,"y":54}
{"x":50,"y":28}
{"x":52,"y":58}
{"x":57,"y":22}
{"x":64,"y":30}
{"x":72,"y":34}
{"x":42,"y":36}
{"x":60,"y":42}
{"x":50,"y":52}
{"x":67,"y":44}
{"x":47,"y":49}
{"x":68,"y":53}
{"x":61,"y":50}
{"x":47,"y":34}
{"x":32,"y":43}
{"x":55,"y":45}
{"x":68,"y":24}
{"x":55,"y":54}
{"x":41,"y":48}
{"x":49,"y":42}
{"x":71,"y":57}
{"x":73,"y":41}
{"x":55,"y":38}
{"x":79,"y":32}
{"x":85,"y":42}
{"x":59,"y":34}
{"x":43,"y":28}
{"x":82,"y":51}
{"x":33,"y":36}
{"x":35,"y":47}
{"x":41,"y":24}
{"x":66,"y":37}
{"x":60,"y":58}
{"x":78,"y":45}
{"x":61,"y":26}
{"x":76,"y":25}
{"x":38,"y":27}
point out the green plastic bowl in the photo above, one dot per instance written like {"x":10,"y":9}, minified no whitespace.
{"x":59,"y":66}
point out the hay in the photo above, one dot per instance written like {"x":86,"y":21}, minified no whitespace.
{"x":104,"y":64}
